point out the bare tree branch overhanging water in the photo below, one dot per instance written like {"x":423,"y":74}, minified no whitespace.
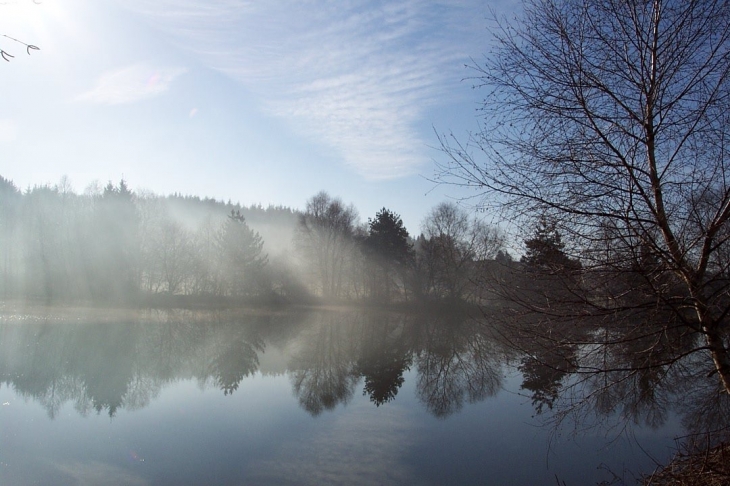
{"x":610,"y":118}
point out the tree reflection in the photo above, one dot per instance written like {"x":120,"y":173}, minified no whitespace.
{"x":603,"y":373}
{"x":91,"y":365}
{"x":458,"y":362}
{"x":235,"y":356}
{"x":104,"y":367}
{"x":107,"y":366}
{"x":324,"y":373}
{"x":543,"y":376}
{"x":704,"y":409}
{"x":384,"y":356}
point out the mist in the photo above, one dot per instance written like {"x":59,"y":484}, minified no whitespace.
{"x":111,"y":244}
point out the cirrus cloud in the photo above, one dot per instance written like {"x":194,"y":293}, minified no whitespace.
{"x":355,"y":75}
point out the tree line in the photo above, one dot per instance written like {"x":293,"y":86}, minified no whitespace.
{"x":114,"y":245}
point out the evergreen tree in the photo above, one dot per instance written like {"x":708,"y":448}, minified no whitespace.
{"x":10,"y":199}
{"x":545,"y":250}
{"x":388,"y":245}
{"x":241,"y":258}
{"x":114,"y":247}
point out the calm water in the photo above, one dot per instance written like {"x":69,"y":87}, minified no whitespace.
{"x":325,"y":397}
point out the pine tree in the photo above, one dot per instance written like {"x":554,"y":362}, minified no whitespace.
{"x":241,"y":255}
{"x":545,"y":250}
{"x":388,"y":245}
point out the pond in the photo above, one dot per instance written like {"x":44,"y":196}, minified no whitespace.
{"x":327,"y":396}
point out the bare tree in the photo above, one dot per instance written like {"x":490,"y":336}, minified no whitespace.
{"x":611,"y":116}
{"x":325,"y":236}
{"x":453,"y":246}
{"x":174,"y":254}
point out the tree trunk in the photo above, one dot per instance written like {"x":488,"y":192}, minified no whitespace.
{"x":719,"y":355}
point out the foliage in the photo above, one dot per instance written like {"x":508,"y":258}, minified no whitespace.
{"x":241,"y":258}
{"x":111,"y":244}
{"x":388,"y":245}
{"x":545,"y":250}
{"x":116,"y":254}
{"x":388,"y":238}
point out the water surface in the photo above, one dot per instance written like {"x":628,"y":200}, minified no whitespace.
{"x":317,"y":397}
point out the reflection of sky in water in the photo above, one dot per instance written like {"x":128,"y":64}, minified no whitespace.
{"x":186,"y":431}
{"x":259,"y":435}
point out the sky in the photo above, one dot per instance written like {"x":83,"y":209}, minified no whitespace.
{"x":262,"y":102}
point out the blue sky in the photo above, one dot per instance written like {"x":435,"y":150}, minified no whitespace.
{"x":256,"y":102}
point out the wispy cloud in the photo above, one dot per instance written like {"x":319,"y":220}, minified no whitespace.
{"x":355,"y":75}
{"x":131,"y":84}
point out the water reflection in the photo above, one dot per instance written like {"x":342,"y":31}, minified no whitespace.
{"x":105,"y":365}
{"x":124,"y":364}
{"x":90,"y":366}
{"x":323,"y":370}
{"x":612,"y":374}
{"x":385,"y":354}
{"x":456,"y":362}
{"x":233,"y":355}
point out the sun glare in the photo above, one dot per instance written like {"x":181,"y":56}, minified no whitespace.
{"x":27,"y":23}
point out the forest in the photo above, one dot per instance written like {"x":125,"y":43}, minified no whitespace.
{"x":111,"y":244}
